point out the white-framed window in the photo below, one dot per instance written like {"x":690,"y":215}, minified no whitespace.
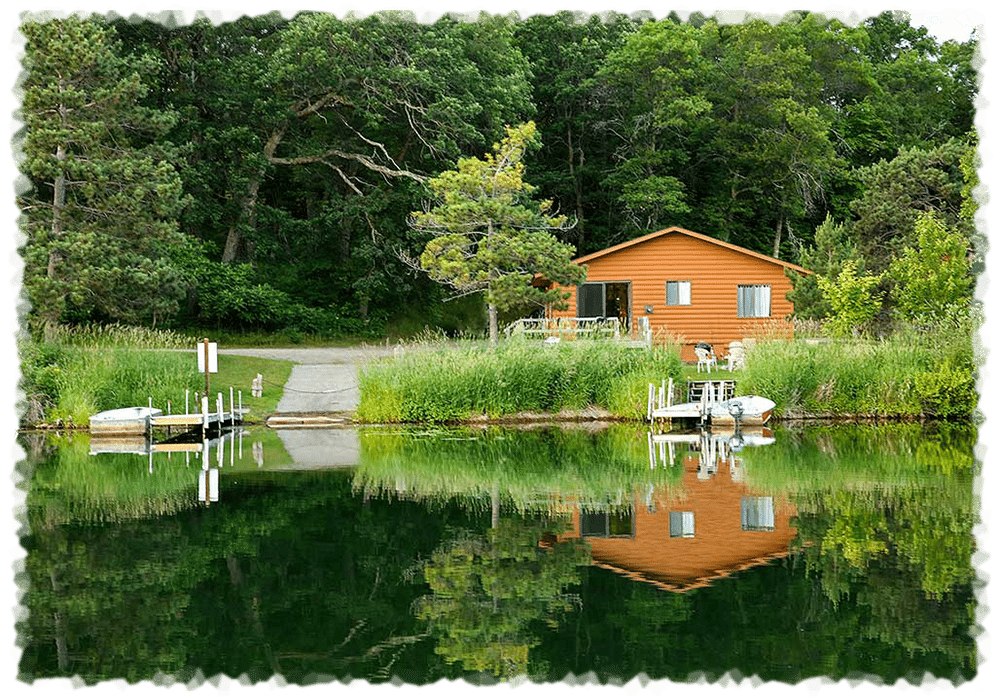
{"x":678,"y":293}
{"x":757,"y":513}
{"x":753,"y":301}
{"x":682,"y":523}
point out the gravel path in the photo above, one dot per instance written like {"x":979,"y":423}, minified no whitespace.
{"x":323,"y":380}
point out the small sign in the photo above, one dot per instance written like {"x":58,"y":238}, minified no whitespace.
{"x":213,"y":357}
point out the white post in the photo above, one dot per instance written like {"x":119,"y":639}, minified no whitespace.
{"x":219,"y":404}
{"x":670,"y":392}
{"x":241,"y":402}
{"x":232,"y":413}
{"x":204,"y":415}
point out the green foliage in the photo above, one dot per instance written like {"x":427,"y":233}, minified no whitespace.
{"x":934,"y":274}
{"x":488,"y":591}
{"x":490,"y":237}
{"x":453,"y":382}
{"x":852,"y":299}
{"x":103,"y":212}
{"x":906,"y":375}
{"x":895,"y":193}
{"x":520,"y":469}
{"x":825,"y":258}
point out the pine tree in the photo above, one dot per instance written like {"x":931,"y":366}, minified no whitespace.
{"x":101,"y":215}
{"x":491,"y":237}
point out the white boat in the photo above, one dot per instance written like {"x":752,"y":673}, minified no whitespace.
{"x":123,"y":421}
{"x":746,"y":410}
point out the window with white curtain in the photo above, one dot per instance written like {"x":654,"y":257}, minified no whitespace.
{"x":678,"y":293}
{"x":682,"y":523}
{"x":753,"y":301}
{"x":757,"y":513}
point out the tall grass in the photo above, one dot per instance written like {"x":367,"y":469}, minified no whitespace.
{"x":439,"y":382}
{"x":906,"y":375}
{"x":94,"y":335}
{"x":91,"y":370}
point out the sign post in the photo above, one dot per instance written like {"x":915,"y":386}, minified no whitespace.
{"x":208,"y":360}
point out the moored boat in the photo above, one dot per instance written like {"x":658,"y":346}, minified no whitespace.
{"x":123,"y":421}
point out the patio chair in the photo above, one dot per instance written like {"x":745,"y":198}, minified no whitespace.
{"x":736,"y":359}
{"x":706,"y":356}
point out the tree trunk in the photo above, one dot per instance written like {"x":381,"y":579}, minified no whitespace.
{"x":59,"y":626}
{"x":577,"y":185}
{"x":494,"y":327}
{"x":53,"y":311}
{"x":234,"y":239}
{"x":777,"y":234}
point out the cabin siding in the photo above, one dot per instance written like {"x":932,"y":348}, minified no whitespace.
{"x":715,"y":272}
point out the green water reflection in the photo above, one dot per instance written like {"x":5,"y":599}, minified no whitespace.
{"x":493,"y":553}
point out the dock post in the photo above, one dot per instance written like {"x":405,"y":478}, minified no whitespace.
{"x":670,"y":392}
{"x":232,"y":413}
{"x":649,"y":403}
{"x":219,"y":405}
{"x":204,"y":417}
{"x":241,"y":405}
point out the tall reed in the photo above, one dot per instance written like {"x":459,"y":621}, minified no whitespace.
{"x":900,"y":376}
{"x":87,"y":369}
{"x":438,"y":382}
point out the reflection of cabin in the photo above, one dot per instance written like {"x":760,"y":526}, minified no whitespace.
{"x":687,"y":284}
{"x":717,"y":526}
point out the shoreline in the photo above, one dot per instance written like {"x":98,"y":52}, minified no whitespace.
{"x":325,"y":419}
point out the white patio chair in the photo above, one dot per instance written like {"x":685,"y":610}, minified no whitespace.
{"x":706,"y":358}
{"x":736,"y":359}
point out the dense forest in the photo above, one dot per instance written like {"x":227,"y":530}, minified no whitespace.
{"x":259,"y":174}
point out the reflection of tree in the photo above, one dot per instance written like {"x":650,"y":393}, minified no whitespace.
{"x":488,"y":590}
{"x":928,"y":532}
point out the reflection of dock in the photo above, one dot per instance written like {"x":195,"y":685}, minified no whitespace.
{"x":713,"y":447}
{"x":144,"y":445}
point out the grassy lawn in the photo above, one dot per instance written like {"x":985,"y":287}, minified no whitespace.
{"x":691,"y":374}
{"x":237,"y":371}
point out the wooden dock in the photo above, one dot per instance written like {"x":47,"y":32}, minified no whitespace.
{"x":142,"y":421}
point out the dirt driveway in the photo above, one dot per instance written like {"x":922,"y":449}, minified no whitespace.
{"x":323,"y":380}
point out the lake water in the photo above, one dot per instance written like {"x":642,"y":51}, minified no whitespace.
{"x":422,"y":554}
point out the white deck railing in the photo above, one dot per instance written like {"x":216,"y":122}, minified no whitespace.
{"x":576,"y":328}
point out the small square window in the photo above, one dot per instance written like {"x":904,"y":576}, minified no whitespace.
{"x":682,"y":524}
{"x":678,"y":293}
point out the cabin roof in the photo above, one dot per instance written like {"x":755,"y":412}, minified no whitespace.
{"x":682,"y":586}
{"x":692,"y":234}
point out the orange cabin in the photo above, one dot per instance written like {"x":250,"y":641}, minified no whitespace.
{"x":689,"y":285}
